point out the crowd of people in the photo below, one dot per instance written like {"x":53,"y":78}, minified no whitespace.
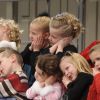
{"x":50,"y":66}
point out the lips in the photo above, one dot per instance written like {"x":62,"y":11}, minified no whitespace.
{"x":70,"y":77}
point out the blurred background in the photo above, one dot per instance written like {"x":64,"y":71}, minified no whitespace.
{"x":23,"y":11}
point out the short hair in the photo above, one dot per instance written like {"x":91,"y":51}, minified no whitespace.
{"x":79,"y":61}
{"x":94,"y":48}
{"x":43,"y":21}
{"x":49,"y":64}
{"x":67,"y":23}
{"x":13,"y":29}
{"x":7,"y":52}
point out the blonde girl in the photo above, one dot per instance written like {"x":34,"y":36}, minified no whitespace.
{"x":64,"y":28}
{"x":10,"y":33}
{"x":77,"y":76}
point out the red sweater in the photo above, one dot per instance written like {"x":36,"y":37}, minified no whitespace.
{"x":14,"y":85}
{"x":94,"y":90}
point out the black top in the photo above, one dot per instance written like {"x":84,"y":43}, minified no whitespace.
{"x":29,"y":57}
{"x":78,"y":89}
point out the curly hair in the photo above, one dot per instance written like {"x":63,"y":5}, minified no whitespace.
{"x":67,"y":24}
{"x":12,"y":29}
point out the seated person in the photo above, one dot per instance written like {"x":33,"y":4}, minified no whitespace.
{"x":13,"y":81}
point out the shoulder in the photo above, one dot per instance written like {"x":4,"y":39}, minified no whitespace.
{"x":71,"y":48}
{"x":85,"y":77}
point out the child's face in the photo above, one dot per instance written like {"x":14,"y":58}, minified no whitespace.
{"x":5,"y":64}
{"x":68,"y":68}
{"x":39,"y":75}
{"x":95,"y":57}
{"x":3,"y":33}
{"x":34,"y":31}
{"x":55,"y":36}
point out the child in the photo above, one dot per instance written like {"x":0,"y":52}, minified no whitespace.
{"x":94,"y":91}
{"x":13,"y":82}
{"x":47,"y":66}
{"x":9,"y":34}
{"x":64,"y":28}
{"x":38,"y":34}
{"x":85,"y":52}
{"x":76,"y":76}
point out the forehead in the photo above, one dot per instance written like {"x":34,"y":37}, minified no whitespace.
{"x":66,"y":59}
{"x":35,"y":26}
{"x":95,"y":54}
{"x":55,"y":31}
{"x":3,"y":27}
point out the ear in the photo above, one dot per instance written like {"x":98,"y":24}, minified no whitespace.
{"x":13,"y":58}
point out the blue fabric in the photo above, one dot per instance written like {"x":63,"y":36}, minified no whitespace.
{"x":7,"y":98}
{"x":28,"y":70}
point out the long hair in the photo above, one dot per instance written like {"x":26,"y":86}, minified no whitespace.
{"x":80,"y":62}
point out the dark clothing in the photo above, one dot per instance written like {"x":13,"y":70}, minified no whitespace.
{"x":78,"y":89}
{"x":71,"y":48}
{"x":29,"y":58}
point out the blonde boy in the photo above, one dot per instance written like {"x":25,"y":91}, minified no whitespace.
{"x":13,"y":81}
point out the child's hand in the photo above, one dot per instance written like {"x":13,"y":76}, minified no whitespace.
{"x":96,"y":70}
{"x":38,"y":43}
{"x":50,"y":80}
{"x":65,"y":81}
{"x":63,"y":43}
{"x":53,"y":48}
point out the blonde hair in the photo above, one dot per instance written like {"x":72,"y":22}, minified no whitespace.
{"x":80,"y":62}
{"x":94,"y":48}
{"x":43,"y":22}
{"x":13,"y":30}
{"x":7,"y":52}
{"x":67,"y":24}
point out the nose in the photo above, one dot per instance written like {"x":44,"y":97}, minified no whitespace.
{"x":66,"y":74}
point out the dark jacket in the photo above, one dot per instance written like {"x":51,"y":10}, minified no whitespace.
{"x":78,"y":89}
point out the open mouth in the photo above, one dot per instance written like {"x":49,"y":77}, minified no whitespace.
{"x":70,"y":77}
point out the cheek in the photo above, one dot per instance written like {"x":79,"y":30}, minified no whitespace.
{"x":36,"y":75}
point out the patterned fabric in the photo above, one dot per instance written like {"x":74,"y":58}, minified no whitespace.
{"x":14,"y":85}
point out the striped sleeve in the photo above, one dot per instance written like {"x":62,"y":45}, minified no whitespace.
{"x":13,"y":84}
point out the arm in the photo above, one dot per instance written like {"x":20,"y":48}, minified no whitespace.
{"x":13,"y":84}
{"x":33,"y":90}
{"x":52,"y":92}
{"x":81,"y":84}
{"x":26,"y":54}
